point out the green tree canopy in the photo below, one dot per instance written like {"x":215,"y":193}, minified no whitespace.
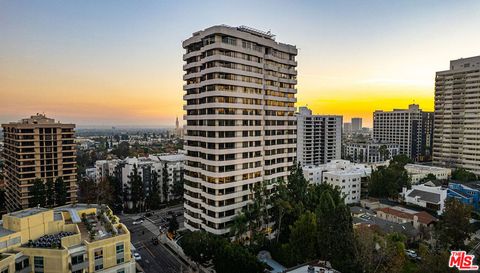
{"x":37,"y":192}
{"x":454,"y":225}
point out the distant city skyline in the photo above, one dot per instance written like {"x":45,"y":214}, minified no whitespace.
{"x":118,"y":63}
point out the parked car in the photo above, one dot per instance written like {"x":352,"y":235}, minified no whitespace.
{"x":411,"y":253}
{"x":137,"y":256}
{"x":148,"y":214}
{"x":155,"y":240}
{"x":138,"y":221}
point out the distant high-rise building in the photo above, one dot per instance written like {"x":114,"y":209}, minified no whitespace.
{"x":178,"y":130}
{"x":240,"y":121}
{"x":409,"y":128}
{"x":457,"y":115}
{"x":347,"y":127}
{"x":38,"y":147}
{"x":356,"y":124}
{"x":319,"y":137}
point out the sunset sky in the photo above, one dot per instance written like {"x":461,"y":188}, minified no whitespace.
{"x":119,"y":63}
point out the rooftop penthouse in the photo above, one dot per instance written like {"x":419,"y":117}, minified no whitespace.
{"x":76,"y":238}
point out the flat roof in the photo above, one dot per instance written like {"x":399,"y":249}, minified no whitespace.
{"x":5,"y":232}
{"x":27,"y":212}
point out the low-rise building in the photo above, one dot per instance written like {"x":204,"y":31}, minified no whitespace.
{"x":402,"y":215}
{"x":74,"y":238}
{"x":427,"y":196}
{"x":348,"y":176}
{"x":417,"y":172}
{"x":468,"y":194}
{"x":368,"y":219}
{"x":369,"y":152}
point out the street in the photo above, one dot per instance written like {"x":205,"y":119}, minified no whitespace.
{"x":155,"y":258}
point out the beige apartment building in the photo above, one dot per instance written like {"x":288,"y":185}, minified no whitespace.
{"x":240,"y":87}
{"x":74,"y":238}
{"x":456,"y":141}
{"x":37,"y":147}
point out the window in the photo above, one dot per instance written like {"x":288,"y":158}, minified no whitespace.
{"x":5,"y":270}
{"x":98,"y":254}
{"x":38,"y":264}
{"x":119,"y":248}
{"x":120,"y":260}
{"x":77,"y":259}
{"x":121,"y":271}
{"x":98,"y":267}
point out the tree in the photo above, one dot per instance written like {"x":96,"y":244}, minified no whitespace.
{"x":50,"y":193}
{"x":227,"y":257}
{"x":122,"y":150}
{"x":116,"y":197}
{"x":38,"y":193}
{"x":136,"y":188}
{"x":153,"y":199}
{"x":429,"y":177}
{"x":173,"y":224}
{"x":335,"y":236}
{"x":2,"y":200}
{"x":389,"y":181}
{"x":165,"y":185}
{"x":60,"y":192}
{"x":384,"y":153}
{"x":87,"y":191}
{"x":454,"y":225}
{"x":435,"y":262}
{"x":463,"y":175}
{"x":239,"y":227}
{"x":177,"y":188}
{"x":303,"y":238}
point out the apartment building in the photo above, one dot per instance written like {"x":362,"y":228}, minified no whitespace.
{"x":38,"y":147}
{"x":457,"y":109}
{"x":319,"y":137}
{"x":76,"y":238}
{"x":417,"y":172}
{"x":369,"y":151}
{"x":348,"y":176}
{"x":169,"y":165}
{"x":410,"y":128}
{"x":240,"y":120}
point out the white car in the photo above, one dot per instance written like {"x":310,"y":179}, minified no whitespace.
{"x":411,"y":253}
{"x":137,"y":256}
{"x":137,"y":222}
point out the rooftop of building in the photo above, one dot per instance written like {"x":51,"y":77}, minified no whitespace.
{"x":27,"y":212}
{"x":423,"y":168}
{"x":431,"y":197}
{"x":473,"y":185}
{"x":312,"y":267}
{"x":37,"y":119}
{"x":340,"y":166}
{"x":171,"y":157}
{"x":370,"y":220}
{"x":405,"y":213}
{"x":4,"y":232}
{"x":266,"y":36}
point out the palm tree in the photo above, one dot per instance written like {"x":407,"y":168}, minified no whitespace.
{"x":239,"y":226}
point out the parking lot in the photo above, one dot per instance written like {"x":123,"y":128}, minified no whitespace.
{"x":154,"y":258}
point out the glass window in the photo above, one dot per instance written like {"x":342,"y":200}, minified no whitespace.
{"x":119,"y":248}
{"x":99,"y":267}
{"x":5,"y":270}
{"x":120,"y":260}
{"x":98,"y":253}
{"x":38,"y":264}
